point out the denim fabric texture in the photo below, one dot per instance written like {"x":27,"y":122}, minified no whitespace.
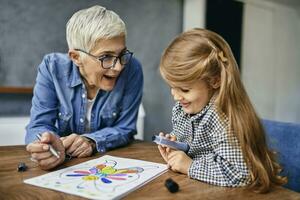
{"x":284,"y":138}
{"x":60,"y":97}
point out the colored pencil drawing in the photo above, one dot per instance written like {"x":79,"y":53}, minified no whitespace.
{"x":104,"y":178}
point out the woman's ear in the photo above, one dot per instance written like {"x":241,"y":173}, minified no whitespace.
{"x":75,"y":57}
{"x":215,"y":82}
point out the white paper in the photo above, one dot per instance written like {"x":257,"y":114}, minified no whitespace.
{"x":107,"y":177}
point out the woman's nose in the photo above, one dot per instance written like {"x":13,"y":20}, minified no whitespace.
{"x":118,"y":66}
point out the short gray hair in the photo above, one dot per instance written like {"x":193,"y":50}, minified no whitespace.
{"x":87,"y":26}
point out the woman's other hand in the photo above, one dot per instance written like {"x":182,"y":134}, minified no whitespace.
{"x":78,"y":146}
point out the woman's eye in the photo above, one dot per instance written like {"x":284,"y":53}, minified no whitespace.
{"x":107,"y":56}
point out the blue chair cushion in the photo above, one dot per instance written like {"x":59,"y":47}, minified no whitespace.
{"x":284,"y":138}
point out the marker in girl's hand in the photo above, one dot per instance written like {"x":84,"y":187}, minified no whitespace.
{"x":172,"y":144}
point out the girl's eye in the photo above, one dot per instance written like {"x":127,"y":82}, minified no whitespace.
{"x":185,"y":90}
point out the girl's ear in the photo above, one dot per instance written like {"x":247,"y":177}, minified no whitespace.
{"x":75,"y":57}
{"x":215,"y":82}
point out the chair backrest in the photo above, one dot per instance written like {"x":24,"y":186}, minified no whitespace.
{"x":284,"y":138}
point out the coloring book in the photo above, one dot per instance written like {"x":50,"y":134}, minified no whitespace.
{"x":107,"y":177}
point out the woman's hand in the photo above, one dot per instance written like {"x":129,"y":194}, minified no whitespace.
{"x":78,"y":146}
{"x":179,"y":161}
{"x":41,"y":154}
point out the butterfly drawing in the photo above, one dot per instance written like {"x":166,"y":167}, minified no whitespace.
{"x":107,"y":177}
{"x":102,"y":177}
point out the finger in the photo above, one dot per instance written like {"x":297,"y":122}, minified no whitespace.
{"x":161,"y":148}
{"x":163,"y":153}
{"x":172,"y":154}
{"x":173,"y":138}
{"x":52,"y":139}
{"x":47,"y":137}
{"x":33,"y":160}
{"x":169,"y":150}
{"x":76,"y":146}
{"x":169,"y":166}
{"x":161,"y":134}
{"x":86,"y":153}
{"x":173,"y":163}
{"x":77,"y":143}
{"x":85,"y":145}
{"x":49,"y":163}
{"x":68,"y":141}
{"x":168,"y":136}
{"x":37,"y":147}
{"x":41,"y":156}
{"x":174,"y":169}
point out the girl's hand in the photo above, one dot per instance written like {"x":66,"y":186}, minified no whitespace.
{"x":178,"y":161}
{"x":164,"y":150}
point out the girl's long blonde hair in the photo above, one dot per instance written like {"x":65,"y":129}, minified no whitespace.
{"x":201,"y":54}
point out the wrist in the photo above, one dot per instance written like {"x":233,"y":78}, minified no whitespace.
{"x":92,"y":143}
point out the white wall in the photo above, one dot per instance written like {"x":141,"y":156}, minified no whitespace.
{"x":271,"y":58}
{"x":12,"y":129}
{"x":194,"y":14}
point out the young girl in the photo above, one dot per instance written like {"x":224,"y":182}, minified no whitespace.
{"x":214,"y":115}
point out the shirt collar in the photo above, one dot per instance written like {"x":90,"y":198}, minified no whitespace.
{"x":75,"y":77}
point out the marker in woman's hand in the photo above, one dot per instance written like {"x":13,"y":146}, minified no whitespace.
{"x":51,"y":149}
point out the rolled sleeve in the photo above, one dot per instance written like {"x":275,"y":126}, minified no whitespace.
{"x":109,"y":138}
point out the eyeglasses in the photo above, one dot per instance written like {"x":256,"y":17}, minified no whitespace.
{"x":109,"y":61}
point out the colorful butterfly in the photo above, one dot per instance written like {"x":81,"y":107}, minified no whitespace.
{"x":106,"y":173}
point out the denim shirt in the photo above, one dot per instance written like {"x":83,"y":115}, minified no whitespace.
{"x":59,"y":104}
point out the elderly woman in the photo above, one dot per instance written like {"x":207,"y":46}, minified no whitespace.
{"x":87,"y":100}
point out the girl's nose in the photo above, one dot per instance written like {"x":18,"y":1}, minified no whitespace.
{"x":176,"y":95}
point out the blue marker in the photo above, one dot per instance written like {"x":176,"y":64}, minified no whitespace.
{"x":172,"y":144}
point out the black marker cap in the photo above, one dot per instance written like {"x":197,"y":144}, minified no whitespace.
{"x":22,"y":167}
{"x":171,"y":185}
{"x":153,"y":137}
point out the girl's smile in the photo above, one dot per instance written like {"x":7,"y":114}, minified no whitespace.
{"x":192,"y":97}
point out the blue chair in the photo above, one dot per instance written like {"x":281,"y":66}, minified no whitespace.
{"x":284,"y":138}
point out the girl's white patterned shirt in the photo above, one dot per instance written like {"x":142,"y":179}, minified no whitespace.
{"x":217,"y":156}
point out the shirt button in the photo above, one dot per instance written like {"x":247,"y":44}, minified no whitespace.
{"x":59,"y":114}
{"x":83,"y":95}
{"x":114,"y":114}
{"x":81,"y":120}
